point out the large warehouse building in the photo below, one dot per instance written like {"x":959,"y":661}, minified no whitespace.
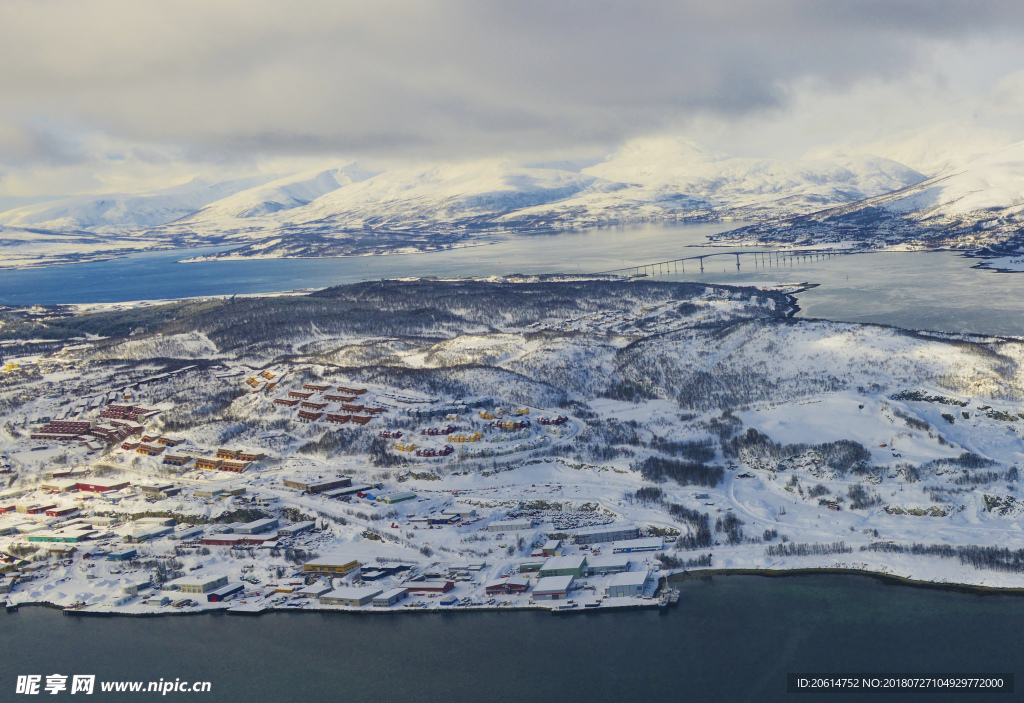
{"x":390,"y":598}
{"x":509,"y":526}
{"x":607,"y":564}
{"x":564,"y":566}
{"x":317,"y":485}
{"x":630,"y":584}
{"x":647,"y":544}
{"x":189,"y":584}
{"x":553,"y":588}
{"x":606,"y":533}
{"x":330,"y":566}
{"x":353,"y":597}
{"x":100,"y":485}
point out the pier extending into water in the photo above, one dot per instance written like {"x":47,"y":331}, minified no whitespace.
{"x":759,"y":258}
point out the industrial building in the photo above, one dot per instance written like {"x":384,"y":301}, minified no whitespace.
{"x":122,"y":556}
{"x":315,"y":590}
{"x":317,"y":486}
{"x":188,"y":533}
{"x":509,"y":526}
{"x":553,"y":587}
{"x":197,"y":584}
{"x":647,"y":544}
{"x":353,"y":597}
{"x":101,"y":485}
{"x":224,"y":540}
{"x":608,"y":564}
{"x":296,"y":528}
{"x":72,"y":536}
{"x":430,"y":586}
{"x":564,"y":566}
{"x":531,"y":566}
{"x":224,"y":593}
{"x":389,"y":598}
{"x":509,"y":584}
{"x":606,"y":533}
{"x":550,"y":547}
{"x":156,"y":489}
{"x":347,"y":491}
{"x":257,"y":526}
{"x":398,"y":497}
{"x":149,"y":532}
{"x":336,"y":566}
{"x":59,"y":485}
{"x":630,"y":584}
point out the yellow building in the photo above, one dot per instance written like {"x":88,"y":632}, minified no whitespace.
{"x":335,"y":567}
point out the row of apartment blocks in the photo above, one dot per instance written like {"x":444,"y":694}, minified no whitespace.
{"x":312,"y":410}
{"x":127,"y":412}
{"x":234,"y":460}
{"x":67,"y":431}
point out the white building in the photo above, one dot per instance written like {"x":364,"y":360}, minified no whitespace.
{"x":608,"y":564}
{"x":606,"y":533}
{"x":510,"y":526}
{"x":629,"y":584}
{"x":553,"y":588}
{"x":256,"y":526}
{"x":197,"y":584}
{"x":389,"y":598}
{"x":647,"y":544}
{"x":353,"y":597}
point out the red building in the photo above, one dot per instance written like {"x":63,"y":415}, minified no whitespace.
{"x":351,"y":391}
{"x":429,"y":586}
{"x":100,"y":485}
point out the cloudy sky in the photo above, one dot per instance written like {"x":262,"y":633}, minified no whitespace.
{"x":123,"y":95}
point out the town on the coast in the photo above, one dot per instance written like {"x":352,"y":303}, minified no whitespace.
{"x":568,"y":444}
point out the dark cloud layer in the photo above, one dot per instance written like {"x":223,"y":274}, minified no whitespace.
{"x":445,"y":78}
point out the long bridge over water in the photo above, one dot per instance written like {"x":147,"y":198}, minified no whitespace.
{"x":766,"y":258}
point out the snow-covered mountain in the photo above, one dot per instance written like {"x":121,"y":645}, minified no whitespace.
{"x":350,"y":209}
{"x":282,"y":194}
{"x":980,"y":204}
{"x":934,"y":150}
{"x":671,"y":178}
{"x":120,"y":212}
{"x":440,"y":196}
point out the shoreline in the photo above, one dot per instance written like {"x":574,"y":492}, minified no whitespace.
{"x":664,"y":582}
{"x":890,"y":579}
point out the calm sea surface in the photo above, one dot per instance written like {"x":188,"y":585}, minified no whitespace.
{"x":732,"y":638}
{"x":940,"y":291}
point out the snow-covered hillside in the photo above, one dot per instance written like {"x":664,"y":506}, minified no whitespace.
{"x":978,"y":205}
